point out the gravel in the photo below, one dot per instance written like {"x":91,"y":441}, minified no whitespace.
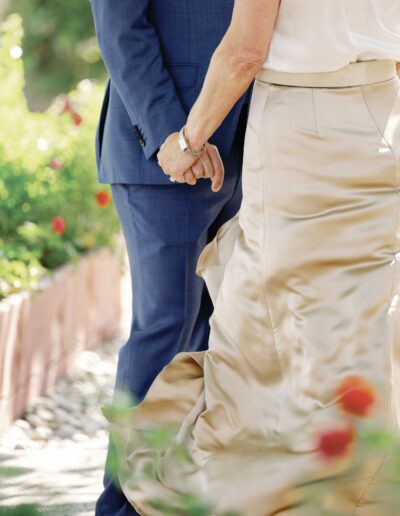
{"x":72,"y":411}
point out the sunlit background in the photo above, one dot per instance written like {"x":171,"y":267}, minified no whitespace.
{"x":64,"y":288}
{"x":64,"y":294}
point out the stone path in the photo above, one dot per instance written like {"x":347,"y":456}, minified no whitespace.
{"x":55,"y":455}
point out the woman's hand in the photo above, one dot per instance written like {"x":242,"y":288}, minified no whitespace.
{"x":184,"y":168}
{"x":233,"y":67}
{"x":209,"y":166}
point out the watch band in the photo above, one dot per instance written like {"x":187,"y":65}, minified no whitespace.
{"x":185,"y":146}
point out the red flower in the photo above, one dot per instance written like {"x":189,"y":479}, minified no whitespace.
{"x":103,"y":199}
{"x":67,"y":108}
{"x":76,"y":118}
{"x":357,"y":396}
{"x":58,"y":225}
{"x":55,"y":164}
{"x":335,"y":443}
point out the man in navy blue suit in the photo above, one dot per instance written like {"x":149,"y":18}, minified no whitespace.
{"x":157,"y":54}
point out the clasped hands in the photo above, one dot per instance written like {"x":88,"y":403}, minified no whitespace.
{"x":183,"y":168}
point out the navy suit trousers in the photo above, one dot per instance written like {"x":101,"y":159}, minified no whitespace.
{"x":165,"y":228}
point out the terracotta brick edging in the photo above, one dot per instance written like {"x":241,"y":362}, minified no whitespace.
{"x":41,"y":332}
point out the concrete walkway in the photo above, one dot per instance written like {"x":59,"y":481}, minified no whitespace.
{"x":61,"y":481}
{"x":55,"y":455}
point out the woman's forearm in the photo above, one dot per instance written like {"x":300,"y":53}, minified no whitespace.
{"x":233,"y":67}
{"x":227,"y":79}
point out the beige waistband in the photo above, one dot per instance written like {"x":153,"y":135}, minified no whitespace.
{"x":359,"y":73}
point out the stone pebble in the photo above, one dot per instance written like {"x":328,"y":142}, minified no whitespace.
{"x":70,"y":415}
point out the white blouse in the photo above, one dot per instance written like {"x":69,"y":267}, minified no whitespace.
{"x":325,"y":35}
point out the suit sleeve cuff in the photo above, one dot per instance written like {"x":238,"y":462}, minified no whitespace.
{"x":157,"y":129}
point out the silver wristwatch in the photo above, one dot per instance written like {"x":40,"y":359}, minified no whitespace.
{"x":183,"y":144}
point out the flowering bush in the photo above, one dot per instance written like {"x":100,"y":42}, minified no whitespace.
{"x":51,"y":205}
{"x":370,"y":449}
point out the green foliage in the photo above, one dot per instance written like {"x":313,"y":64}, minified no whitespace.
{"x":191,"y":507}
{"x":159,"y":438}
{"x":382,"y":440}
{"x":21,"y":510}
{"x":60,"y":43}
{"x":47,"y":170}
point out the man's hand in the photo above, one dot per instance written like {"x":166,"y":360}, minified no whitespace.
{"x":173,"y":160}
{"x":184,"y":168}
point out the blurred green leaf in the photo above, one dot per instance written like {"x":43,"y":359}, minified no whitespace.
{"x":381,"y":439}
{"x":60,"y":47}
{"x":21,"y":510}
{"x":159,"y":438}
{"x":11,"y":471}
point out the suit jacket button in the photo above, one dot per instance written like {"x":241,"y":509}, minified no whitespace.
{"x":138,"y":135}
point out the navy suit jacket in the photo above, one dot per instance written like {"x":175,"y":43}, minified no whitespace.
{"x":157,"y":53}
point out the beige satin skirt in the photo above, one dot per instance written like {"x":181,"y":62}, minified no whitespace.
{"x":305,"y":282}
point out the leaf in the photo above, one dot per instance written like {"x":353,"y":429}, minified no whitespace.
{"x":21,"y":510}
{"x":377,"y":438}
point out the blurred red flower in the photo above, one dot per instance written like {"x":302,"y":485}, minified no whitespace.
{"x":55,"y":164}
{"x":76,"y":117}
{"x":103,"y":199}
{"x":356,"y":396}
{"x":58,"y":225}
{"x":335,"y":443}
{"x":67,"y":108}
